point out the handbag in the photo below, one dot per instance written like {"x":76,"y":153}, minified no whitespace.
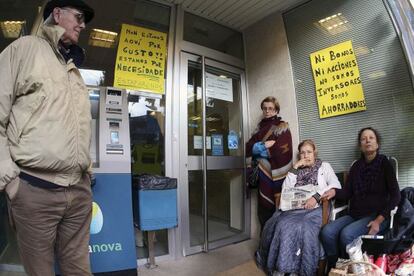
{"x":253,"y":175}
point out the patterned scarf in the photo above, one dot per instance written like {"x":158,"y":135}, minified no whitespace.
{"x":308,"y":175}
{"x":366,"y":174}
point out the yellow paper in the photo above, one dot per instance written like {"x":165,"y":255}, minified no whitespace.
{"x":140,"y":60}
{"x":337,"y":81}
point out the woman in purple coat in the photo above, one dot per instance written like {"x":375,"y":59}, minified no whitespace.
{"x":274,"y":156}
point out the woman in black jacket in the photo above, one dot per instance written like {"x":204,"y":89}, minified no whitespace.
{"x":372,"y":191}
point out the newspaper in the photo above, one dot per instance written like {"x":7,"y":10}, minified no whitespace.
{"x":295,"y":197}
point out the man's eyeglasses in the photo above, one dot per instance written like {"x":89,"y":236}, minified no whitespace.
{"x":268,"y":108}
{"x":80,"y":17}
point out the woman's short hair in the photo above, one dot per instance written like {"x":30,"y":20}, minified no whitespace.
{"x":377,"y":135}
{"x":273,"y":100}
{"x":308,"y":142}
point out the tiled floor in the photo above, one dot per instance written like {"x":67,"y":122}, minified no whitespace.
{"x":232,"y":260}
{"x":224,"y":260}
{"x":4,"y":273}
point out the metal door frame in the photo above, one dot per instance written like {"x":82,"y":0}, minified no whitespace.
{"x":184,"y":162}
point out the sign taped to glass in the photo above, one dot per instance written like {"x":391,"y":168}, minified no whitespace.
{"x":140,"y":59}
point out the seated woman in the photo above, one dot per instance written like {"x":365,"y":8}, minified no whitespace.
{"x":289,"y":242}
{"x":372,"y":190}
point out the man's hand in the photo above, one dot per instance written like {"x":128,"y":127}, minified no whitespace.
{"x":310,"y":203}
{"x":92,"y":178}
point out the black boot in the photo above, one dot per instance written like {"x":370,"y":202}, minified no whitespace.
{"x":331,"y":262}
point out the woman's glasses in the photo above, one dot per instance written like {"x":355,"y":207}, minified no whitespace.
{"x":268,"y":108}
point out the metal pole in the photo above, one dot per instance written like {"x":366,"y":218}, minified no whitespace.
{"x":39,"y":19}
{"x":204,"y":166}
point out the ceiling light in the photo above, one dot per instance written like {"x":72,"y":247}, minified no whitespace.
{"x":361,"y":50}
{"x":12,"y":29}
{"x":212,"y":119}
{"x":333,"y":24}
{"x":377,"y":74}
{"x":102,"y":38}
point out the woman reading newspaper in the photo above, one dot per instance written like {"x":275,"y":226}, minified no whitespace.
{"x":289,"y":241}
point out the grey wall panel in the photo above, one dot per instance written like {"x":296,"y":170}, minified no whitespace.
{"x":384,"y":74}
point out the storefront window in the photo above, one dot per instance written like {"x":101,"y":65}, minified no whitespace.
{"x":146,"y":109}
{"x":100,"y":39}
{"x":213,"y":35}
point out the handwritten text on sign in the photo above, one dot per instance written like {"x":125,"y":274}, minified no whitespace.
{"x":337,"y":81}
{"x":140,"y":60}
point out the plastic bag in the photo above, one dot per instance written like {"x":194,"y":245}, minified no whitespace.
{"x":355,"y":254}
{"x":155,"y":182}
{"x":405,"y":270}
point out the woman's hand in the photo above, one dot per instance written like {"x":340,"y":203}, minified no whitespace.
{"x":269,"y":144}
{"x":329,"y":194}
{"x":310,"y":203}
{"x":300,"y":163}
{"x":374,"y":225}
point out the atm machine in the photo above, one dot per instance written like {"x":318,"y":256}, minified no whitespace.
{"x":112,"y":244}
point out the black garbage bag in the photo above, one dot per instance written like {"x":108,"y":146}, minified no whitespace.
{"x":404,"y":228}
{"x":401,"y":237}
{"x":154,"y":182}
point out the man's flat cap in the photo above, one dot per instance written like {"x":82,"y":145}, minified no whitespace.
{"x":78,"y":4}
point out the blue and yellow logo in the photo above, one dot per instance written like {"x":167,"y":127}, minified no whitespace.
{"x":97,"y":219}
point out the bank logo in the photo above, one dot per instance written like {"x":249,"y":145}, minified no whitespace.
{"x":97,"y":219}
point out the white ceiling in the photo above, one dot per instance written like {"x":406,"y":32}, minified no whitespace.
{"x":236,"y":14}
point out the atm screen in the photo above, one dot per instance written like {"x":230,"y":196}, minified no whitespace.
{"x":114,"y":92}
{"x":114,"y":137}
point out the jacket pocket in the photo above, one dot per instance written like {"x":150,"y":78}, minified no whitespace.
{"x":34,"y":107}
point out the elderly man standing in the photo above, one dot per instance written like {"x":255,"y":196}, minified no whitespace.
{"x":44,"y":142}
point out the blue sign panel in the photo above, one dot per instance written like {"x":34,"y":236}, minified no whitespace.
{"x":217,"y":144}
{"x":233,"y":140}
{"x":112,"y":243}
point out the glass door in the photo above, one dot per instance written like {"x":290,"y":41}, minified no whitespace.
{"x":214,"y":205}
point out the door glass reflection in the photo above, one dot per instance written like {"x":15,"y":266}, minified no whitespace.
{"x":223,"y":113}
{"x":225,"y":189}
{"x":147,"y":126}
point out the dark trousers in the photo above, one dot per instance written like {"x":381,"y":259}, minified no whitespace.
{"x":264,"y":214}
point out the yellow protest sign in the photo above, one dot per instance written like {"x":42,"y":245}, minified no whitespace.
{"x":140,"y":59}
{"x":337,"y":81}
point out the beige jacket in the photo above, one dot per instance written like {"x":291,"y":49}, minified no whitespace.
{"x":45,"y":121}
